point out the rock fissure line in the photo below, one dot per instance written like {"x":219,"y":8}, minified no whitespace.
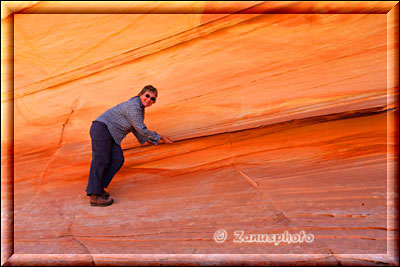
{"x":76,"y":239}
{"x":58,"y":146}
{"x":43,"y":173}
{"x":281,"y":217}
{"x":333,"y":255}
{"x":237,"y":168}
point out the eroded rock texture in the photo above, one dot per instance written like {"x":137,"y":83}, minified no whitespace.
{"x":281,"y":122}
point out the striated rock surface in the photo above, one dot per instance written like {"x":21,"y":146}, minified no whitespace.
{"x":281,"y":122}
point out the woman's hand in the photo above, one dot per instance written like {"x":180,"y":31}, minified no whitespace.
{"x":150,"y":142}
{"x":166,"y":140}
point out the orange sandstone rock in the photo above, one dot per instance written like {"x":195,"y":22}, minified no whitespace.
{"x":282,"y":122}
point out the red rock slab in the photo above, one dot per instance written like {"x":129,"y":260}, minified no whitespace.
{"x":332,"y":186}
{"x":58,"y":128}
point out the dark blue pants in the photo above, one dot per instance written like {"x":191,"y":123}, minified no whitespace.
{"x":107,"y":158}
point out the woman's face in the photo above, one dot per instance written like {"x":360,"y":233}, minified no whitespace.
{"x":148,"y":99}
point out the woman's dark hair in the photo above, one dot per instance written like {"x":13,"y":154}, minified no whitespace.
{"x":149,"y":88}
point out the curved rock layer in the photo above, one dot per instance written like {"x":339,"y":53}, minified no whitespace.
{"x":281,"y":122}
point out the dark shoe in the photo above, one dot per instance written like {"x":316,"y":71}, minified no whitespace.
{"x":105,"y":194}
{"x":100,"y":200}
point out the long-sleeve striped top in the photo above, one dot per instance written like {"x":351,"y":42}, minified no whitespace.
{"x":128,"y":117}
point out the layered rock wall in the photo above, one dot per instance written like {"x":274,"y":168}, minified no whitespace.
{"x":280,"y":122}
